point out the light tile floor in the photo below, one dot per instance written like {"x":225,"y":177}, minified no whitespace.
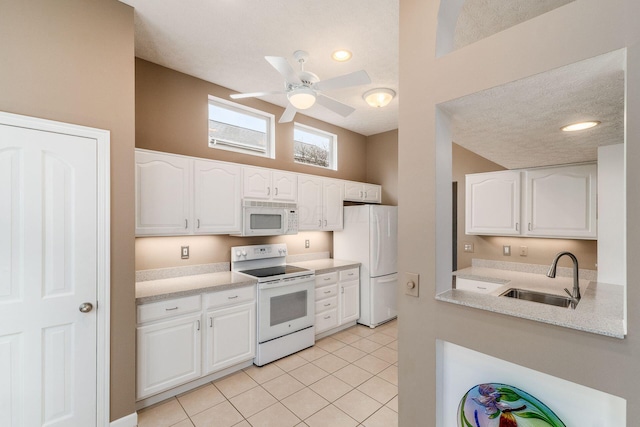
{"x":349,"y":379}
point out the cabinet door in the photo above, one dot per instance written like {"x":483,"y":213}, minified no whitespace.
{"x":349,"y":301}
{"x":333,"y":206}
{"x":163,"y":194}
{"x":168,"y":354}
{"x":256,"y":183}
{"x":285,"y":186}
{"x":230,"y":337}
{"x":309,"y":203}
{"x":353,"y":191}
{"x":217,"y":197}
{"x":561,"y":202}
{"x":372,"y":193}
{"x":493,"y":203}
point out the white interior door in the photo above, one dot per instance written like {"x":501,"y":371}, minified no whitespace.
{"x":48,"y":268}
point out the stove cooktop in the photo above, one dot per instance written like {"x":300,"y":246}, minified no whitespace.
{"x":279,"y":270}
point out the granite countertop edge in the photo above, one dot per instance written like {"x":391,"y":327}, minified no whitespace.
{"x":327,"y":265}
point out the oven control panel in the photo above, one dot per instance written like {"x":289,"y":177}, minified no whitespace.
{"x":254,"y":252}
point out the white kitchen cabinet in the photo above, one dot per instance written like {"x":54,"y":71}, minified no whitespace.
{"x":337,"y":299}
{"x":320,"y":203}
{"x":492,"y":203}
{"x":179,"y":195}
{"x":168,"y":354}
{"x":217,"y":201}
{"x":163,"y":194}
{"x":230,"y":336}
{"x":349,"y":301}
{"x":267,"y":184}
{"x":561,"y":202}
{"x":362,"y":192}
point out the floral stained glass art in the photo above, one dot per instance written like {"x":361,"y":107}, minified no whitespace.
{"x":502,"y":405}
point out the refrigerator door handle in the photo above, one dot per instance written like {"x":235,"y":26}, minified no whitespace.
{"x":377,"y":247}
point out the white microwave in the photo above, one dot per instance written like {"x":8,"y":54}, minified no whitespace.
{"x":268,"y":218}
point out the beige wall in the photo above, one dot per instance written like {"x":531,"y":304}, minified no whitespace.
{"x":577,"y":31}
{"x":382,"y":164}
{"x":72,"y":61}
{"x":540,"y":251}
{"x":171,"y":116}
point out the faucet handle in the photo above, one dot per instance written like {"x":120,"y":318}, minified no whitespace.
{"x":568,"y":292}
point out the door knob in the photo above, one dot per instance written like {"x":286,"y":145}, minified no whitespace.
{"x":85,"y":307}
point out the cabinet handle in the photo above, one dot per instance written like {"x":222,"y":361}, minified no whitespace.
{"x":211,"y":322}
{"x":327,"y":317}
{"x":327,"y":292}
{"x":529,"y":226}
{"x":361,"y":194}
{"x":517,"y":226}
{"x":327,"y":278}
{"x":325,"y":222}
{"x":186,"y":223}
{"x":481,"y":287}
{"x":365,"y":195}
{"x":342,"y":290}
{"x":319,"y":223}
{"x":198,"y":324}
{"x":171,"y":309}
{"x":233,"y":297}
{"x":276,"y":191}
{"x":327,"y":305}
{"x":268,"y":191}
{"x":350,"y":274}
{"x":198,"y":222}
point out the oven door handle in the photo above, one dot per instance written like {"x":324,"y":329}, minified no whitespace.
{"x":303,"y":284}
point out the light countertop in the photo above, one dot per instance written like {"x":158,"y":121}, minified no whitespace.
{"x":326,"y":265}
{"x":156,"y":290}
{"x":600,"y":310}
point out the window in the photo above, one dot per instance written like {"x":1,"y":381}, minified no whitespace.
{"x":238,"y":128}
{"x":314,"y":147}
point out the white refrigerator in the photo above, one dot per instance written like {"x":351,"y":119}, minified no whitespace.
{"x":370,"y":237}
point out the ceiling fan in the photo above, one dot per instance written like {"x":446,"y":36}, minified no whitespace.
{"x":304,"y":89}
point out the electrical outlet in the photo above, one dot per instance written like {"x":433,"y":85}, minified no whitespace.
{"x":468,"y":247}
{"x":524,"y":251}
{"x":506,"y":250}
{"x":184,"y":252}
{"x":306,"y":244}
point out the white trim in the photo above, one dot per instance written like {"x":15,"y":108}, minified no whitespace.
{"x":103,"y":280}
{"x":130,"y":420}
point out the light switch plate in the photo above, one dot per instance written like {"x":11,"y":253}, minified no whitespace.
{"x":412,"y":284}
{"x":184,"y":252}
{"x":506,"y":250}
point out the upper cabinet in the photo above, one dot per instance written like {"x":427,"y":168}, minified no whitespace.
{"x":561,"y":202}
{"x":266,"y":184}
{"x":163,"y":194}
{"x":492,"y":203}
{"x":177,"y":195}
{"x":361,"y":192}
{"x":557,"y":202}
{"x":320,"y":202}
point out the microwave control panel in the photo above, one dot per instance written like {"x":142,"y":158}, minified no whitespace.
{"x":292,"y":224}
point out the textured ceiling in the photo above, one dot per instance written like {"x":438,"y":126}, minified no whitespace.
{"x":225,"y":42}
{"x":517,"y":125}
{"x":482,"y":18}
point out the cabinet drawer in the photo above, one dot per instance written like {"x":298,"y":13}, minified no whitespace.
{"x":326,"y":320}
{"x":326,"y":279}
{"x":326,"y":304}
{"x":230,"y":296}
{"x":168,"y":308}
{"x":350,"y":274}
{"x":326,"y":292}
{"x":476,"y":285}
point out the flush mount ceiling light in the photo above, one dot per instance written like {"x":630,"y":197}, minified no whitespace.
{"x":379,"y":97}
{"x":341,"y":55}
{"x":302,"y":97}
{"x":579,"y":126}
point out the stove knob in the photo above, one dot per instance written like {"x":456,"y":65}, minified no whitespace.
{"x":244,"y":253}
{"x":237,"y":254}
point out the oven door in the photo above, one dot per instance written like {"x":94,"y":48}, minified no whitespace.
{"x":262,"y":221}
{"x":285,"y":307}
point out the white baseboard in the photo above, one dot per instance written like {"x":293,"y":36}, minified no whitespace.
{"x":130,"y":420}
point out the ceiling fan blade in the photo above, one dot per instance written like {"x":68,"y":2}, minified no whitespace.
{"x":282,"y":65}
{"x":288,"y":114}
{"x":336,"y":106}
{"x":356,"y":78}
{"x":254,"y":94}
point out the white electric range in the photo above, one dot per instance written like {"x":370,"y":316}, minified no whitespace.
{"x":286,"y":310}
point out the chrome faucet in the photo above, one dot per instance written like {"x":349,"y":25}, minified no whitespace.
{"x":575,"y":295}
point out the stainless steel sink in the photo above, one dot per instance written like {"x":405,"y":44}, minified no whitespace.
{"x":540,"y":297}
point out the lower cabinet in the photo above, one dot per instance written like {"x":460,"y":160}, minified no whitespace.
{"x":337,"y":299}
{"x":183,"y":339}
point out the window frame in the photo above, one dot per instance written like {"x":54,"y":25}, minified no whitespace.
{"x":269,"y":152}
{"x":333,"y":150}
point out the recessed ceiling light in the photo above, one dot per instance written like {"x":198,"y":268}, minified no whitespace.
{"x":379,"y":97}
{"x":341,"y":55}
{"x":579,"y":126}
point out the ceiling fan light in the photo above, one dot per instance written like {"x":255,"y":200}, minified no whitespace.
{"x":379,"y":97}
{"x":579,"y":126}
{"x":302,"y":98}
